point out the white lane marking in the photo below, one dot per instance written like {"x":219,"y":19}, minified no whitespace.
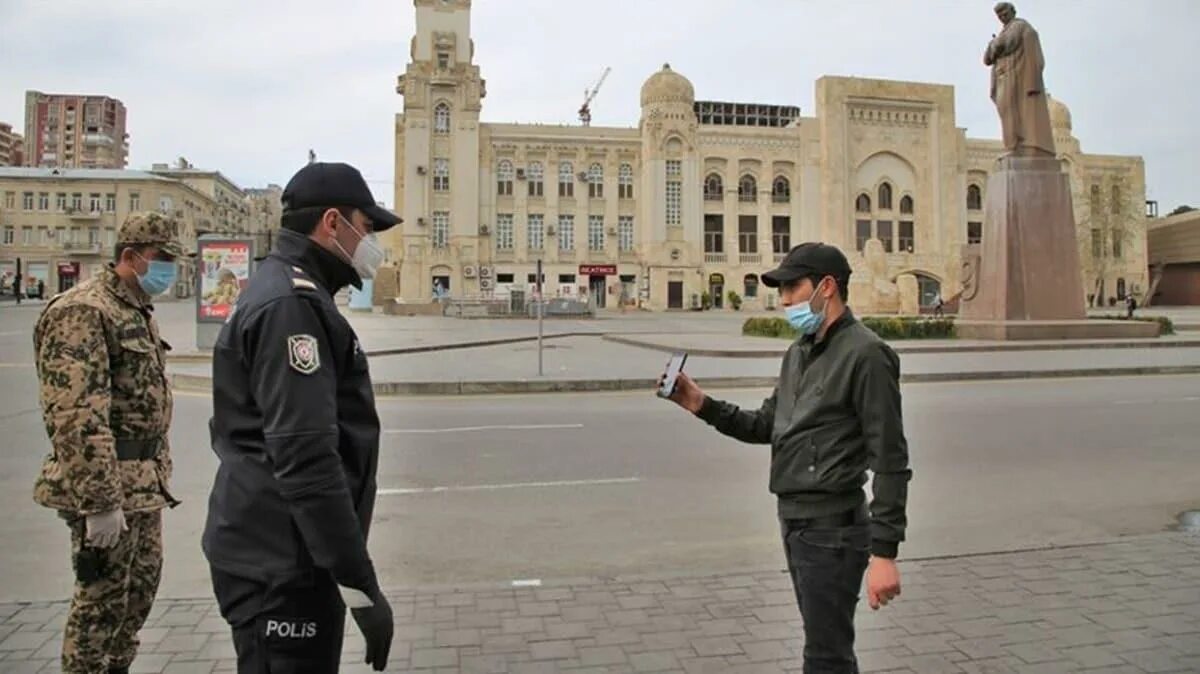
{"x":1156,"y":401}
{"x":471,"y":429}
{"x":514,"y":485}
{"x":530,"y":582}
{"x":1133,"y":402}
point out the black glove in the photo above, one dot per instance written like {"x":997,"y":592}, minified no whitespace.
{"x":375,"y":623}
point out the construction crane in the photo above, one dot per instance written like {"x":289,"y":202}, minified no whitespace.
{"x":585,"y":110}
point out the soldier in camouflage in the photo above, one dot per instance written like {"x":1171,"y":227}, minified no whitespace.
{"x":107,"y":408}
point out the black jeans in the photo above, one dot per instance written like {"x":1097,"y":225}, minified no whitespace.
{"x":827,"y":564}
{"x":293,"y":627}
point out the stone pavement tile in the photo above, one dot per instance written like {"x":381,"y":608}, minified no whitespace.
{"x":980,"y":648}
{"x":457,"y":637}
{"x":602,"y":655}
{"x":50,"y":649}
{"x":716,"y":645}
{"x":655,"y":661}
{"x":22,"y":666}
{"x":705,"y":665}
{"x":1055,"y":667}
{"x":183,"y":643}
{"x":482,"y":664}
{"x":929,"y":643}
{"x":557,"y":629}
{"x":552,"y":650}
{"x":1091,"y":656}
{"x":882,"y":659}
{"x":25,"y":641}
{"x":1008,"y":665}
{"x":621,"y":636}
{"x":772,"y":630}
{"x":732,"y":609}
{"x":428,"y":658}
{"x":1154,"y":660}
{"x":932,"y":663}
{"x":1035,"y":652}
{"x":767,"y":651}
{"x":149,"y":663}
{"x":192,"y":667}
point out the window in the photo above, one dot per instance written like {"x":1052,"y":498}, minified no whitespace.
{"x":1116,"y":200}
{"x":1120,"y":288}
{"x":10,"y":200}
{"x":110,"y":237}
{"x":533,"y":278}
{"x":77,"y":201}
{"x":1097,"y":244}
{"x":974,"y":232}
{"x":625,"y":182}
{"x":906,"y":236}
{"x":1095,"y":199}
{"x":1117,"y":236}
{"x":441,"y":229}
{"x":504,"y":278}
{"x":94,"y":203}
{"x":625,"y":233}
{"x":443,"y":60}
{"x":566,"y":232}
{"x":714,"y":233}
{"x":747,"y":234}
{"x":10,"y":235}
{"x":566,"y":179}
{"x":537,"y":178}
{"x":27,"y":201}
{"x":747,"y":189}
{"x":750,"y":286}
{"x":441,"y":118}
{"x":862,"y":204}
{"x":596,"y":181}
{"x":27,"y":236}
{"x":93,"y":236}
{"x":883,"y":231}
{"x":906,"y":205}
{"x":135,"y":201}
{"x":595,"y":232}
{"x":674,"y":193}
{"x":781,"y":234}
{"x":441,"y":175}
{"x":504,"y":178}
{"x":60,"y":202}
{"x":781,"y":190}
{"x":504,"y":232}
{"x":535,"y":231}
{"x":46,"y":235}
{"x":974,"y":198}
{"x":43,"y":201}
{"x":885,"y":197}
{"x":110,"y":203}
{"x":714,"y":190}
{"x":862,"y":233}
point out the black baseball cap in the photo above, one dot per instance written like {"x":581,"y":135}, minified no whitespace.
{"x":335,"y":184}
{"x":808,"y":259}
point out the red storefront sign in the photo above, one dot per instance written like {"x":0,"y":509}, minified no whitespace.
{"x":68,"y":268}
{"x":597,"y":270}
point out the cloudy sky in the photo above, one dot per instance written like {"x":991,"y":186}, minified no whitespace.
{"x":248,"y":86}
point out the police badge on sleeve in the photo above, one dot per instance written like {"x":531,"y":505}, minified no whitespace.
{"x":302,"y":354}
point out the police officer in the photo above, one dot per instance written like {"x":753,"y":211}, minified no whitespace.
{"x":107,"y":407}
{"x":834,"y":414}
{"x":295,"y":429}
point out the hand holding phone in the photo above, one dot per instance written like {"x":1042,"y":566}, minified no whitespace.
{"x":666,"y":386}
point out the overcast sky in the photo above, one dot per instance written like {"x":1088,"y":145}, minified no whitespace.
{"x":248,"y":87}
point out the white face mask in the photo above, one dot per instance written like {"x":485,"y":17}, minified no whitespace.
{"x":368,"y":256}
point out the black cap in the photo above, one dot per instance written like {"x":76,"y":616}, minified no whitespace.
{"x":335,"y":184}
{"x":808,"y":259}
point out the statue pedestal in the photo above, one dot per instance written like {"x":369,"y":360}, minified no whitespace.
{"x":1024,"y":280}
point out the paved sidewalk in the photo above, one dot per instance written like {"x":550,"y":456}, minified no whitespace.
{"x":1126,"y":606}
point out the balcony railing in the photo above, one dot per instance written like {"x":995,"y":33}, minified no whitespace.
{"x":81,"y":247}
{"x":714,"y":258}
{"x":750,"y":258}
{"x":83,"y":213}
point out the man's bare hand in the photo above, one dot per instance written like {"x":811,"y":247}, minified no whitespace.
{"x":687,"y":395}
{"x":883,"y":581}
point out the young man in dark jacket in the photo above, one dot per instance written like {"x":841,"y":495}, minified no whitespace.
{"x":834,"y":414}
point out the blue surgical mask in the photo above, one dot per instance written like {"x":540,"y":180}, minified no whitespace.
{"x":802,"y":317}
{"x":159,"y":277}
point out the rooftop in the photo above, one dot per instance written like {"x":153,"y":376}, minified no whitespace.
{"x":77,"y":174}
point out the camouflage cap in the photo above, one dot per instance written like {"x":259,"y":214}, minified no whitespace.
{"x":152,"y":229}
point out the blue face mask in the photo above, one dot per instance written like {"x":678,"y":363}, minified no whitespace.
{"x":802,"y":317}
{"x":159,"y":277}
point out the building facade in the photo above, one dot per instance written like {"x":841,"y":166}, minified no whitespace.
{"x":75,"y":131}
{"x":701,"y":197}
{"x":12,"y":146}
{"x":231,"y":208}
{"x":61,"y":223}
{"x":1174,"y":243}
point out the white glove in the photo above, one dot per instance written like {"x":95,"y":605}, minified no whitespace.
{"x":103,"y":529}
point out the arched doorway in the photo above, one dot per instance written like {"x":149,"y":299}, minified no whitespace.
{"x":716,"y":288}
{"x":439,"y":281}
{"x":928,"y":289}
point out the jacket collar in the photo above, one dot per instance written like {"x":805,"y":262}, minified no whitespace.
{"x":134,"y":297}
{"x":819,"y":345}
{"x":328,"y":269}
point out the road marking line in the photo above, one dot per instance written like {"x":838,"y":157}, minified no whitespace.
{"x":468,"y":429}
{"x":514,"y":485}
{"x":16,"y":364}
{"x":531,"y":582}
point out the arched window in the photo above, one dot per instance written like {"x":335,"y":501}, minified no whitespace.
{"x":625,"y":182}
{"x":714,"y":188}
{"x":566,"y":179}
{"x":862,"y":204}
{"x":781,"y":190}
{"x":441,"y":175}
{"x":441,"y":118}
{"x":747,"y":188}
{"x":974,"y":198}
{"x":1120,"y":288}
{"x":750,"y":286}
{"x":885,"y":197}
{"x":596,"y":181}
{"x":906,"y":205}
{"x":1116,"y":199}
{"x":536,"y":174}
{"x":504,"y":178}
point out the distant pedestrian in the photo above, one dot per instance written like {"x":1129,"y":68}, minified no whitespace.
{"x":41,"y":289}
{"x":1130,"y":306}
{"x":939,"y":305}
{"x":835,"y":414}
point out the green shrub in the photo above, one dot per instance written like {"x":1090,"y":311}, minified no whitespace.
{"x":735,"y":300}
{"x":887,"y":327}
{"x":1165,"y":326}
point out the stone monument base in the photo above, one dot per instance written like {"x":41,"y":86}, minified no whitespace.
{"x":1054,"y":329}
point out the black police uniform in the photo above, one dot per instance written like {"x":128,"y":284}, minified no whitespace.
{"x":295,"y":428}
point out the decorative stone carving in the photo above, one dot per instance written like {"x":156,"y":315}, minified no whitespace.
{"x":909,"y":291}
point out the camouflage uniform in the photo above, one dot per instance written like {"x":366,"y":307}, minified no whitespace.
{"x":107,"y":407}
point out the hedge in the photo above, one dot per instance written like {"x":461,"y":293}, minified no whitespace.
{"x":1165,"y":326}
{"x":892,"y":327}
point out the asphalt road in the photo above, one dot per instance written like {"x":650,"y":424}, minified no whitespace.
{"x":505,"y":488}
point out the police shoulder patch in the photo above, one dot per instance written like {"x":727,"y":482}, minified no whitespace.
{"x":303,"y":356}
{"x":303,"y":283}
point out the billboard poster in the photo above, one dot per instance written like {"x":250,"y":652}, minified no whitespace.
{"x":224,"y":271}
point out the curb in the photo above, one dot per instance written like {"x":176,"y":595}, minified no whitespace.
{"x":914,"y":349}
{"x":188,"y":382}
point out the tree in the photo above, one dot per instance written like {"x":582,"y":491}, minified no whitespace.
{"x":1181,"y":209}
{"x":1106,"y":228}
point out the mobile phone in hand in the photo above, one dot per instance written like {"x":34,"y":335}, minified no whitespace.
{"x":674,"y":367}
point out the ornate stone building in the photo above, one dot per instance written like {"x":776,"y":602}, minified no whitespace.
{"x":703,"y":196}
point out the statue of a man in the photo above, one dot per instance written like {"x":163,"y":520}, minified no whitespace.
{"x":1015,"y":56}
